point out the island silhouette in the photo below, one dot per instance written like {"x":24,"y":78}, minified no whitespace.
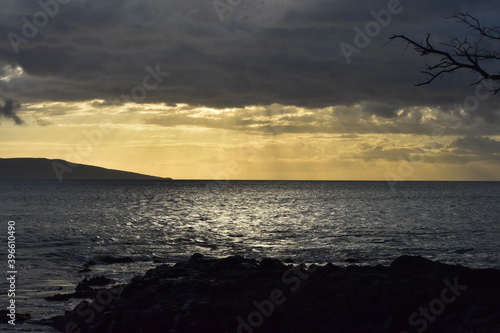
{"x":43,"y":168}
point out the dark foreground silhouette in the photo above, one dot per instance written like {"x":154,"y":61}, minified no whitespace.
{"x":42,"y":168}
{"x":241,"y":295}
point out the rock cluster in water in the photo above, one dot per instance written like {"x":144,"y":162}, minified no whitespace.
{"x":243,"y":295}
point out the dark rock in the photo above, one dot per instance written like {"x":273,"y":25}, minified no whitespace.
{"x":83,"y":286}
{"x":270,"y":263}
{"x":83,"y":289}
{"x":89,"y":293}
{"x":196,"y":256}
{"x":98,"y":281}
{"x":351,"y":260}
{"x":234,"y":293}
{"x":106,"y":260}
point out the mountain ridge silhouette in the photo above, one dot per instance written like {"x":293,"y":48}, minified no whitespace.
{"x":43,"y":168}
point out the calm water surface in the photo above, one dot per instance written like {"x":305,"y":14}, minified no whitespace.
{"x":62,"y":226}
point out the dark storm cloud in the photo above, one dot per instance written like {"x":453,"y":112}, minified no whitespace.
{"x":461,"y":150}
{"x":476,"y":144}
{"x":9,"y":111}
{"x":470,"y":149}
{"x":340,"y":120}
{"x":284,"y":52}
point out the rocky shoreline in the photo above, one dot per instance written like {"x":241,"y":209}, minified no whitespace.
{"x":241,"y":295}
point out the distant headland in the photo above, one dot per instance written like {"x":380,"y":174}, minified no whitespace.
{"x":42,"y":168}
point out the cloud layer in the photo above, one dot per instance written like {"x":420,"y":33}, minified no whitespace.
{"x":281,"y":51}
{"x":9,"y":111}
{"x":272,"y":69}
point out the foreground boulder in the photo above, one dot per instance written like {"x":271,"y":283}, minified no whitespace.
{"x":245,"y":296}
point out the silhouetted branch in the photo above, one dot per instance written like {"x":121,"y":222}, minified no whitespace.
{"x":460,"y":53}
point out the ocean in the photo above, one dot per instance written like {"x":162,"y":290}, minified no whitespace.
{"x":62,"y":226}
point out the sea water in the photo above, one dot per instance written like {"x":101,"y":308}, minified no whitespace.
{"x":62,"y":226}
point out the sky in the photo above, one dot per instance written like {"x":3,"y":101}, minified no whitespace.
{"x":240,"y":89}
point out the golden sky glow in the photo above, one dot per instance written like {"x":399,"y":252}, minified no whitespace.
{"x":273,"y":142}
{"x":265,"y":90}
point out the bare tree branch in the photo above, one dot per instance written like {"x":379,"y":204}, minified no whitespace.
{"x":475,"y":26}
{"x":467,"y":53}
